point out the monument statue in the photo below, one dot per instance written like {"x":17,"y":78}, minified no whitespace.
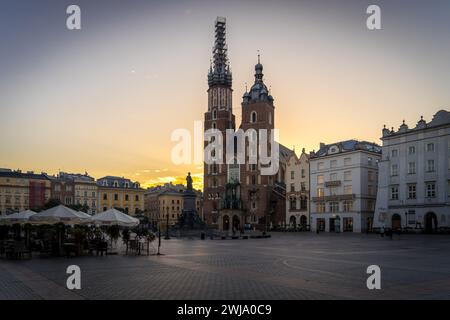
{"x":189,"y":183}
{"x":190,"y":221}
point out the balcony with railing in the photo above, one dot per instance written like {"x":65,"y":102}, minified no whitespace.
{"x":340,"y":197}
{"x":333,"y":183}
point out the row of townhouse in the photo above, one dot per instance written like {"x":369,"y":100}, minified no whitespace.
{"x":359,"y":186}
{"x":28,"y":190}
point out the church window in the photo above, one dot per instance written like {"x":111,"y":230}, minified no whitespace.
{"x":214,"y":114}
{"x":253,"y":117}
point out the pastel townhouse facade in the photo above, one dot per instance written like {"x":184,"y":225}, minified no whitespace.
{"x":86,"y":192}
{"x":21,"y":191}
{"x":414,"y":176}
{"x":120,"y":193}
{"x":297,"y":192}
{"x":343,"y":178}
{"x":165,"y":203}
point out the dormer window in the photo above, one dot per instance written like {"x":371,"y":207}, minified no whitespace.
{"x":116,"y":184}
{"x":127,"y":185}
{"x":105,"y":183}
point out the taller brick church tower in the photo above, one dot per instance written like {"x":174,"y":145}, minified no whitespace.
{"x":219,"y":116}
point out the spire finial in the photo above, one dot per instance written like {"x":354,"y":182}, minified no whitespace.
{"x":403,"y":121}
{"x":421,"y":117}
{"x":246,"y":87}
{"x":259,"y":56}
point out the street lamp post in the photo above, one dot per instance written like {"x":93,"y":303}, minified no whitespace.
{"x":167,"y":228}
{"x":159,"y":239}
{"x":406,"y":219}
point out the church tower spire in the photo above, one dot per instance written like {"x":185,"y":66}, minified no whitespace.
{"x":220,"y":73}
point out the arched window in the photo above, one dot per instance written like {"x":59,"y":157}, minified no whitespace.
{"x":214,"y":114}
{"x":214,"y":126}
{"x":253,"y":117}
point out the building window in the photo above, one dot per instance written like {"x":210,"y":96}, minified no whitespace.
{"x":303,"y":186}
{"x":137,"y":198}
{"x":394,"y":170}
{"x":320,"y":207}
{"x":430,"y":147}
{"x":394,"y":193}
{"x":412,"y":150}
{"x":292,"y":174}
{"x":320,"y":192}
{"x":411,"y":191}
{"x":214,"y":125}
{"x":303,"y":172}
{"x":371,"y":190}
{"x":394,"y":153}
{"x":348,"y":190}
{"x":214,"y":114}
{"x":333,"y":163}
{"x":347,"y":175}
{"x":347,"y":161}
{"x":303,"y":203}
{"x":333,"y":191}
{"x":333,"y":177}
{"x":348,"y":206}
{"x":105,"y":196}
{"x":126,"y":197}
{"x":370,"y":176}
{"x":292,"y":187}
{"x":320,"y":179}
{"x":348,"y":224}
{"x":430,"y":165}
{"x":411,"y":168}
{"x":116,"y":197}
{"x":293,"y":204}
{"x":320,"y":166}
{"x":253,"y":117}
{"x":369,"y":161}
{"x":334,"y":207}
{"x":431,"y":190}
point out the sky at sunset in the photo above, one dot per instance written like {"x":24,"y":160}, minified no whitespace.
{"x":105,"y":99}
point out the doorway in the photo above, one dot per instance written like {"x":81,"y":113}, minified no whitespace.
{"x":431,"y":222}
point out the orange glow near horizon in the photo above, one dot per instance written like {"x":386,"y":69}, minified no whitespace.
{"x":106,"y":99}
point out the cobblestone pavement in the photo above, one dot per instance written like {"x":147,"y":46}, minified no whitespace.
{"x":286,"y":266}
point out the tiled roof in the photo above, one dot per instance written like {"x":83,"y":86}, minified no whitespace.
{"x":346,"y":146}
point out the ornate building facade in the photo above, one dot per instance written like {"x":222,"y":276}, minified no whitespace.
{"x":297,"y":191}
{"x":414,"y":187}
{"x":120,"y":193}
{"x":343,"y":179}
{"x":236,"y":195}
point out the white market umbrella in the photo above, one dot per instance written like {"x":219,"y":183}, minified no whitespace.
{"x":18,"y":217}
{"x":60,"y":214}
{"x":113,"y":217}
